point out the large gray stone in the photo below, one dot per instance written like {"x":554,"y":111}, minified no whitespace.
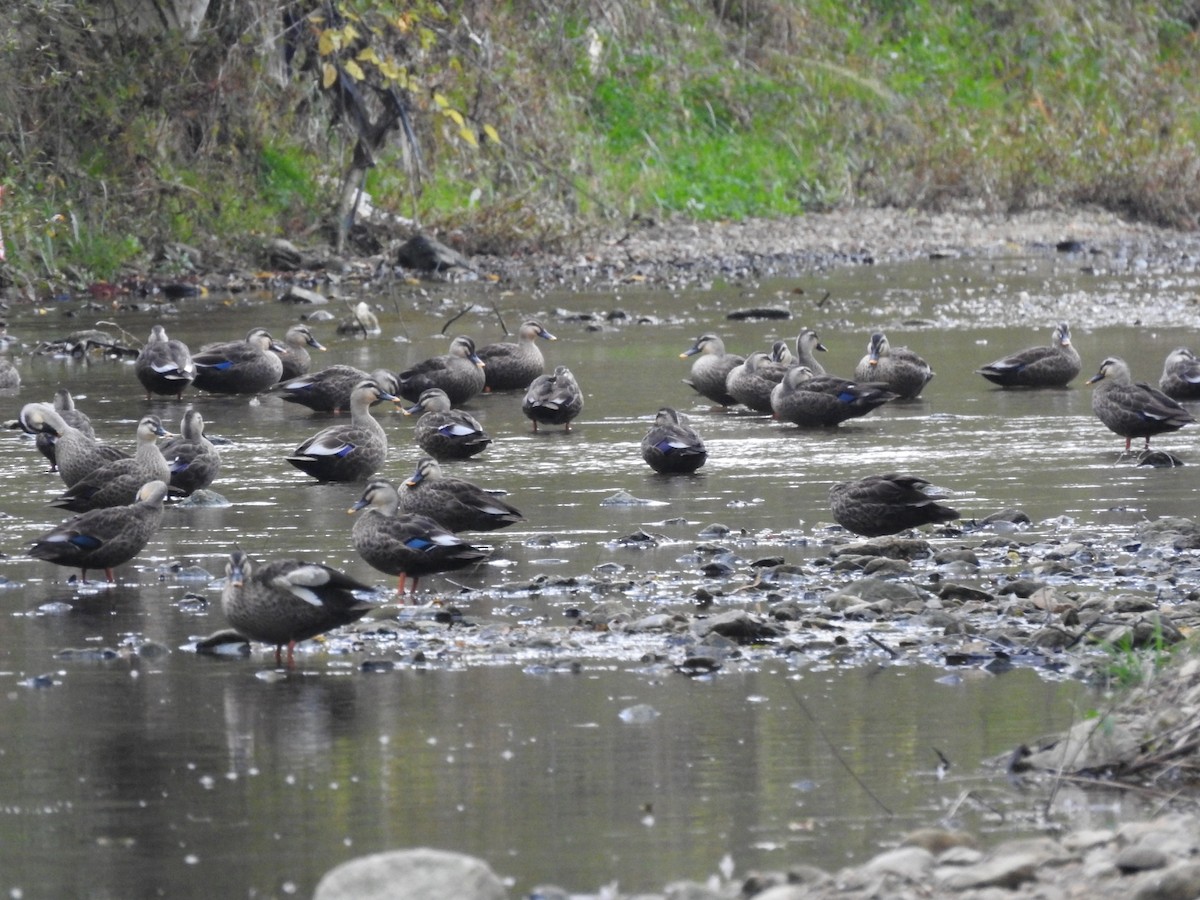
{"x":418,"y":874}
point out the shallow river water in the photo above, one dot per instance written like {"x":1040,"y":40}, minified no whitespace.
{"x":142,"y":773}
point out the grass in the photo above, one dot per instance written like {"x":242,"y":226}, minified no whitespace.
{"x":709,"y":110}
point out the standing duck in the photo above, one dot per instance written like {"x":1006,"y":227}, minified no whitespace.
{"x":297,"y":360}
{"x":711,"y":369}
{"x":553,"y":399}
{"x":404,"y":544}
{"x":806,"y":342}
{"x":103,"y":538}
{"x":454,"y":503}
{"x":353,"y":451}
{"x":444,"y":432}
{"x":193,"y":459}
{"x":885,"y":504}
{"x":459,"y":373}
{"x":249,"y":366}
{"x":810,"y":401}
{"x":903,"y":372}
{"x":1133,"y":410}
{"x":751,"y":383}
{"x":671,"y":446}
{"x":285,"y":601}
{"x":512,"y":367}
{"x":1181,"y":375}
{"x":1037,"y":367}
{"x":329,"y":389}
{"x":77,"y":452}
{"x":164,"y":365}
{"x":64,"y":405}
{"x":113,"y":483}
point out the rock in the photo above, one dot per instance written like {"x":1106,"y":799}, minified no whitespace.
{"x":910,"y":863}
{"x":1177,"y":532}
{"x":737,"y":625}
{"x":1090,"y":746}
{"x":892,"y":547}
{"x":690,"y":890}
{"x":1180,"y":882}
{"x":297,"y":294}
{"x":759,"y":312}
{"x":1006,"y":871}
{"x":1140,"y":858}
{"x":418,"y":874}
{"x":427,"y":255}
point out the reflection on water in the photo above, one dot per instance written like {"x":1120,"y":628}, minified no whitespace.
{"x":166,"y":770}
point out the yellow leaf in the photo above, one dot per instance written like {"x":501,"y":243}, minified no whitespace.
{"x":468,"y":135}
{"x":350,"y":33}
{"x":492,"y":134}
{"x":367,"y":54}
{"x":454,"y":116}
{"x":354,"y":70}
{"x":328,"y":76}
{"x":441,"y":101}
{"x":325,"y":43}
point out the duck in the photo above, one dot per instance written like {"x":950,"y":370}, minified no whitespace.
{"x":509,"y":366}
{"x":193,"y":459}
{"x":444,"y":432}
{"x":113,"y":483}
{"x":407,"y":545}
{"x":1181,"y":375}
{"x":553,"y":399}
{"x":1050,"y":366}
{"x":285,"y":601}
{"x":809,"y":400}
{"x":1133,"y":410}
{"x":64,"y":405}
{"x":106,"y":537}
{"x":248,"y":366}
{"x":671,"y":446}
{"x":10,"y":375}
{"x":903,"y":372}
{"x":455,"y":503}
{"x":886,"y":504}
{"x":711,"y":369}
{"x":808,"y":341}
{"x":751,"y":383}
{"x":296,"y":359}
{"x":328,"y":390}
{"x":459,"y":373}
{"x":164,"y":366}
{"x":352,"y":451}
{"x":77,"y":453}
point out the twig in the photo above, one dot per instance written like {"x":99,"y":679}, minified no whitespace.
{"x":466,"y":309}
{"x":503,"y":327}
{"x":884,"y":647}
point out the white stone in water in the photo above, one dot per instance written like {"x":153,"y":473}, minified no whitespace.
{"x":638,"y":714}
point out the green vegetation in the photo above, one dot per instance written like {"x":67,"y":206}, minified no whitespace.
{"x":520,"y":124}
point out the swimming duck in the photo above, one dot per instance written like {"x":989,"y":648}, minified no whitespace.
{"x":193,"y":459}
{"x":553,"y":399}
{"x":248,"y":366}
{"x":113,"y":483}
{"x":885,"y":504}
{"x":806,"y":342}
{"x":1038,"y":367}
{"x":751,"y":383}
{"x":809,"y":400}
{"x":164,"y":366}
{"x":671,"y":446}
{"x":403,"y":544}
{"x":352,"y":451}
{"x":444,"y":432}
{"x":10,"y":375}
{"x":76,"y":452}
{"x":329,"y":389}
{"x":459,"y":373}
{"x":285,"y":601}
{"x":1181,"y":375}
{"x":903,"y":372}
{"x":64,"y":405}
{"x":1133,"y":410}
{"x":512,"y":367}
{"x":297,"y":360}
{"x":456,"y":504}
{"x":107,"y":537}
{"x":711,"y":369}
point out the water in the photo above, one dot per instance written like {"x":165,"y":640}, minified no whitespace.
{"x":150,"y":773}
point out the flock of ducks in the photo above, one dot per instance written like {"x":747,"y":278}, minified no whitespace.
{"x":412,"y":530}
